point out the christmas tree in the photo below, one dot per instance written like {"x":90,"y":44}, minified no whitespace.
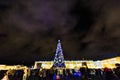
{"x":59,"y":59}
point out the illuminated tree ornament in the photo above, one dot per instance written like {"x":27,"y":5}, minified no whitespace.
{"x":59,"y":59}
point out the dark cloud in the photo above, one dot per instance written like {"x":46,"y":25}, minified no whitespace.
{"x":29,"y":29}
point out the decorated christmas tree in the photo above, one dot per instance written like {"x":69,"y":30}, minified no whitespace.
{"x":59,"y":58}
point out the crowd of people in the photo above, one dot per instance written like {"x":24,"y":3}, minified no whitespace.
{"x":62,"y":74}
{"x":76,"y":74}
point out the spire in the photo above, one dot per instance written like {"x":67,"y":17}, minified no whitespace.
{"x":59,"y":59}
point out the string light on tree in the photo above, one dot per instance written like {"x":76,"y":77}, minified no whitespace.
{"x":59,"y":59}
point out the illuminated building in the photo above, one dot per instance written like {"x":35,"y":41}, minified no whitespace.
{"x":110,"y":62}
{"x":90,"y":64}
{"x":59,"y":61}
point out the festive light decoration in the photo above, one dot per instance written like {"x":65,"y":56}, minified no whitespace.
{"x":59,"y":58}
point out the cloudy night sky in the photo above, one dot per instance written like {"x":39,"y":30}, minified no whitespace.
{"x":29,"y":29}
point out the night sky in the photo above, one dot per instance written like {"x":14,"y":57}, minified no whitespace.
{"x":29,"y":29}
